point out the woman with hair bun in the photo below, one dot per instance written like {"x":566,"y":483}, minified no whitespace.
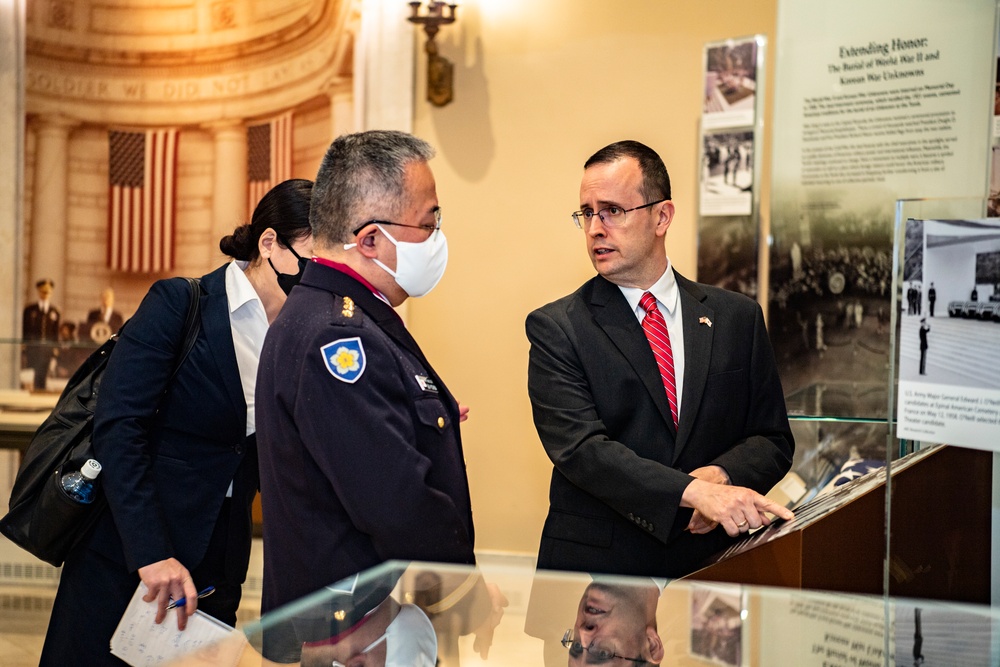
{"x":178,"y":450}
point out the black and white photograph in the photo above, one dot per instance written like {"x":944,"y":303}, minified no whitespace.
{"x":949,"y":303}
{"x":727,"y":173}
{"x":950,"y":312}
{"x":727,"y":253}
{"x":730,"y":95}
{"x":940,"y":636}
{"x":830,"y":301}
{"x":717,"y":624}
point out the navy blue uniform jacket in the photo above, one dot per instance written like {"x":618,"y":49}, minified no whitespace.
{"x":602,"y":414}
{"x":357,"y":467}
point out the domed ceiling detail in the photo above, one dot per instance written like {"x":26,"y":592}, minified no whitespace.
{"x":124,"y":61}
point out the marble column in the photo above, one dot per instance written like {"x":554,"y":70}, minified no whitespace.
{"x":50,"y":194}
{"x":229,"y":178}
{"x":12,"y":185}
{"x":342,"y":117}
{"x":383,"y":71}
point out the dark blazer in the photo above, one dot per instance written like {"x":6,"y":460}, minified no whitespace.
{"x":620,"y":467}
{"x":360,"y":470}
{"x":167,"y":458}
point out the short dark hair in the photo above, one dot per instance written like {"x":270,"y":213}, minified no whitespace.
{"x":362,"y":177}
{"x":655,"y":179}
{"x":45,"y":281}
{"x":285,"y":209}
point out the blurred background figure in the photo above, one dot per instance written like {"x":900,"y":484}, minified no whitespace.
{"x":68,"y":354}
{"x":40,"y":330}
{"x":103,"y":321}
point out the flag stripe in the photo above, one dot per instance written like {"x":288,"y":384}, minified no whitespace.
{"x":269,"y":156}
{"x":142,"y":173}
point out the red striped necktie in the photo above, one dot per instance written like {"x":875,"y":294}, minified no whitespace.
{"x":655,"y":328}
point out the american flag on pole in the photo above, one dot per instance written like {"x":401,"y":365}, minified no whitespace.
{"x":269,"y":156}
{"x":142,"y":175}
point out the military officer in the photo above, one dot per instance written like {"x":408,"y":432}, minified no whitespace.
{"x":360,"y":451}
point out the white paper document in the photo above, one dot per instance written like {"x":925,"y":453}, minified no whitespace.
{"x":140,"y":642}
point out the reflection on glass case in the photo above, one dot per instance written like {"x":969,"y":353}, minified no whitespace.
{"x":417,"y":614}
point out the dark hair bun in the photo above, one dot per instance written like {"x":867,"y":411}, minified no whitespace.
{"x":238,"y":245}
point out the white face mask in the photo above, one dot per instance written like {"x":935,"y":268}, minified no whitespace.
{"x":419,"y":266}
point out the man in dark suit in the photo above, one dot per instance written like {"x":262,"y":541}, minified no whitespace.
{"x":40,"y":331}
{"x":360,"y":450}
{"x":931,"y":298}
{"x":924,"y":330}
{"x":106,"y":318}
{"x":660,"y":457}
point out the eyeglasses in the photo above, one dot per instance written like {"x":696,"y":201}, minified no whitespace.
{"x":430,"y":229}
{"x":611,"y":216}
{"x":603,"y":653}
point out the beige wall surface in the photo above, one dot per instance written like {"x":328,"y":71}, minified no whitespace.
{"x":540,"y":86}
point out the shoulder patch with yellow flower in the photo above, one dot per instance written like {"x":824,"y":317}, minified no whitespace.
{"x":345,"y":359}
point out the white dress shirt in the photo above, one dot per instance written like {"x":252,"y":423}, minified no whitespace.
{"x":668,"y":300}
{"x":248,"y":323}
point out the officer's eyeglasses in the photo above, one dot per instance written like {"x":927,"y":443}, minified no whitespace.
{"x":429,"y":228}
{"x":611,"y":216}
{"x":603,"y":652}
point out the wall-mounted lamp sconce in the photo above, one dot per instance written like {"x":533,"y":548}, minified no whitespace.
{"x":440,"y":71}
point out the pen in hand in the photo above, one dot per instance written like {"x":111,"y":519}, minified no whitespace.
{"x":180,"y":602}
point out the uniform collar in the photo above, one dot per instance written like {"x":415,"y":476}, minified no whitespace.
{"x":344,"y":268}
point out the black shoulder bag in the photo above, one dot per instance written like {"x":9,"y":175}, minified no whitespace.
{"x":42,"y":519}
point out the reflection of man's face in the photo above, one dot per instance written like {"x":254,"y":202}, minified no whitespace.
{"x":619,"y":620}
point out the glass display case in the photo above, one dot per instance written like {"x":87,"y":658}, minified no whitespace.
{"x":417,"y":614}
{"x":26,"y":400}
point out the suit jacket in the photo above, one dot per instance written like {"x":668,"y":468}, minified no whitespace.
{"x":602,"y":414}
{"x":168,"y":458}
{"x":360,"y":451}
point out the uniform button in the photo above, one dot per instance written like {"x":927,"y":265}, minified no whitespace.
{"x":630,"y":516}
{"x":238,"y":449}
{"x":440,"y":422}
{"x":651,"y":528}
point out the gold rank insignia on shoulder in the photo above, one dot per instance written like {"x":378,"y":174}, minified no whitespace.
{"x":348,"y":310}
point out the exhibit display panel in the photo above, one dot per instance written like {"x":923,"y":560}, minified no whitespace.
{"x":425,"y":614}
{"x":944,"y":381}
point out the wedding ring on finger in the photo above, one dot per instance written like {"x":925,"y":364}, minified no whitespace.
{"x":741,"y":524}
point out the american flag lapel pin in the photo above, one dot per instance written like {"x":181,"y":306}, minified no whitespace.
{"x":705,"y":320}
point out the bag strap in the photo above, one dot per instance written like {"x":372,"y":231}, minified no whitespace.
{"x":192,"y":324}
